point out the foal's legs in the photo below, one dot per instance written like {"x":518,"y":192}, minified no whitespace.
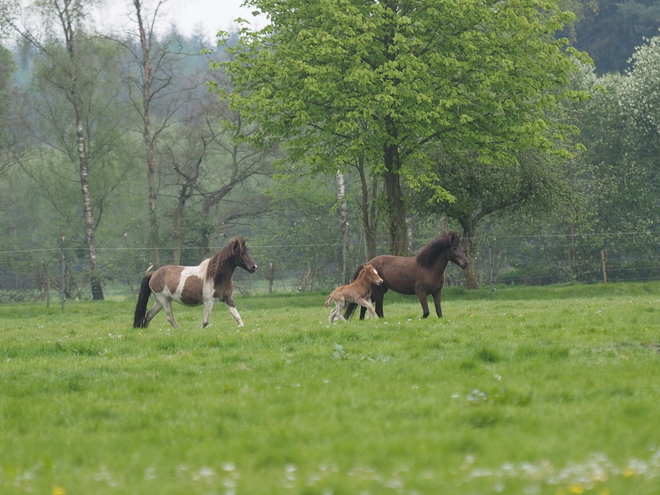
{"x":378,"y":303}
{"x":336,"y":312}
{"x":366,"y":305}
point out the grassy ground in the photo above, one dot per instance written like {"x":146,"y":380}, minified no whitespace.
{"x":548,"y":391}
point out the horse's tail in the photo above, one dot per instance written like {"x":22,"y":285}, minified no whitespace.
{"x":350,"y":307}
{"x":139,"y":320}
{"x":327,"y":301}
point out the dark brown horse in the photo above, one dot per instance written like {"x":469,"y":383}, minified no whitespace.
{"x":194,"y":285}
{"x":421,"y":275}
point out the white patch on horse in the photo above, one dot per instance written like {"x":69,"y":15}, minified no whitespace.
{"x":234,"y":313}
{"x":193,"y":271}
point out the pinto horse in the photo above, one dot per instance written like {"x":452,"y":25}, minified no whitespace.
{"x":357,"y":292}
{"x":194,"y":285}
{"x":418,"y":275}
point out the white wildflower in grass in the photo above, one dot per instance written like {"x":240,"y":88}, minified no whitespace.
{"x":105,"y":476}
{"x":206,"y":472}
{"x":476,"y":396}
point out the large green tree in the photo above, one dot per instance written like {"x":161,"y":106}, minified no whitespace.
{"x":335,"y":80}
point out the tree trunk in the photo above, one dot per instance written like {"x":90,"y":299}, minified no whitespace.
{"x":369,"y":210}
{"x":94,"y":275}
{"x":572,"y":253}
{"x":469,"y":229}
{"x":270,"y":276}
{"x":396,"y":207}
{"x":177,"y":222}
{"x":147,"y":135}
{"x":343,"y":225}
{"x":204,"y":242}
{"x":83,"y":162}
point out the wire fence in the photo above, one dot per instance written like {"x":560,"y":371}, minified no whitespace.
{"x":55,"y":275}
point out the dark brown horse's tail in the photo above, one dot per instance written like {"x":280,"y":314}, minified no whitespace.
{"x":139,"y":321}
{"x":350,"y":307}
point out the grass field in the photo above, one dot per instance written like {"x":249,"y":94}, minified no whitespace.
{"x":537,"y":391}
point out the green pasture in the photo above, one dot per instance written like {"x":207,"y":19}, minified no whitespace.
{"x":536,"y":391}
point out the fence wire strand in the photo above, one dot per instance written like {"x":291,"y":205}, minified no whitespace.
{"x":498,"y":260}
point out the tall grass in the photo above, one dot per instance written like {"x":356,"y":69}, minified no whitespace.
{"x":544,"y":391}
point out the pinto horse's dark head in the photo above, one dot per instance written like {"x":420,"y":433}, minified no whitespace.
{"x":229,"y":257}
{"x":241,"y":254}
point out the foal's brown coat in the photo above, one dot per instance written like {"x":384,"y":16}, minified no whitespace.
{"x":357,"y":292}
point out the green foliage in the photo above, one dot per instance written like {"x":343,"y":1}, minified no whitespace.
{"x":493,"y":398}
{"x":340,"y":80}
{"x":619,"y":128}
{"x":356,"y":74}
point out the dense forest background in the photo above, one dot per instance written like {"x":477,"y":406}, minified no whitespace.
{"x":119,"y":152}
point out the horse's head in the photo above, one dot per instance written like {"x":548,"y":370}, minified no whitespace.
{"x":372,"y":275}
{"x":241,"y":255}
{"x":456,"y":253}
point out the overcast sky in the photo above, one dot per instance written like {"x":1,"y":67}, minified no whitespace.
{"x":210,"y":16}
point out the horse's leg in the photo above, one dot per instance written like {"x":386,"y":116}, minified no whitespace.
{"x":333,"y":313}
{"x":167,"y":305}
{"x":234,"y":312}
{"x":422,"y":296}
{"x":208,"y":306}
{"x":340,"y":306}
{"x":336,"y":313}
{"x":377,"y":298}
{"x":366,"y":304}
{"x":152,"y":312}
{"x":436,"y":300}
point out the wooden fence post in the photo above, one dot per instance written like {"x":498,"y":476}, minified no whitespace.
{"x":63,"y":261}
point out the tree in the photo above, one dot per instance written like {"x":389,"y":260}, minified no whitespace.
{"x":341,"y":79}
{"x":64,"y":21}
{"x":7,"y":67}
{"x":301,"y":233}
{"x":534,"y":183}
{"x":644,"y":89}
{"x":156,"y":61}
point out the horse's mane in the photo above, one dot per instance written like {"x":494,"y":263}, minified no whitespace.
{"x":427,"y":255}
{"x":235,"y":247}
